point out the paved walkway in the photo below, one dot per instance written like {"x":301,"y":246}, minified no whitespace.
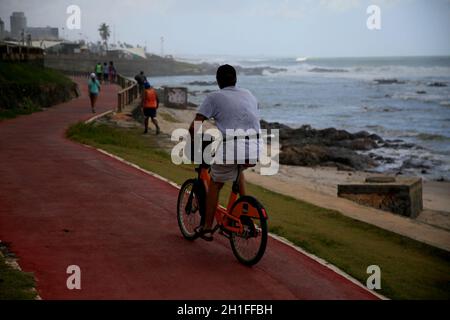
{"x":65,"y":204}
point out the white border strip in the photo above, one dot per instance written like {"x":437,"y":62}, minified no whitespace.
{"x":98,"y":116}
{"x":326,"y":264}
{"x":274,"y":236}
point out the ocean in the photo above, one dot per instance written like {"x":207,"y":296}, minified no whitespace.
{"x":412,"y":106}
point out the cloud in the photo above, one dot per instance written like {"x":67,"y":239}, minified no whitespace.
{"x":280,"y":9}
{"x":340,"y":5}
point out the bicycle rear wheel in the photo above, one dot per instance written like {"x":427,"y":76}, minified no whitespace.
{"x":190,"y":207}
{"x":250,"y":245}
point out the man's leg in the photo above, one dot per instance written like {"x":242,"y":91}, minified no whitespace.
{"x":146,"y":124}
{"x":212,"y":200}
{"x":242,"y":188}
{"x":93,"y":101}
{"x":155,"y":122}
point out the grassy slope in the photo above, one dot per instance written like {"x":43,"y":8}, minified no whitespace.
{"x":410,"y":269}
{"x":15,"y":284}
{"x":23,"y":75}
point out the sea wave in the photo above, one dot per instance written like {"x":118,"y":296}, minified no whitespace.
{"x":379,"y":129}
{"x":360,"y":72}
{"x":416,"y":162}
{"x":440,"y":99}
{"x":327,"y":70}
{"x":370,"y":68}
{"x":301,"y":59}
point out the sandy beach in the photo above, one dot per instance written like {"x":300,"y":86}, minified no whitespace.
{"x":318,"y":186}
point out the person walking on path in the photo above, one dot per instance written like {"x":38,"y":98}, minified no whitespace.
{"x":94,"y":90}
{"x":140,"y":79}
{"x":150,"y":103}
{"x":105,"y":72}
{"x":112,"y":72}
{"x":99,"y":71}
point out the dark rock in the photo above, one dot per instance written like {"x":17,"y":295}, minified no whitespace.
{"x":415,"y":164}
{"x":325,"y":70}
{"x":306,"y":146}
{"x":258,"y":71}
{"x":202,"y":83}
{"x":315,"y":155}
{"x":421,"y":92}
{"x":437,"y":84}
{"x":362,"y":144}
{"x":380,"y":158}
{"x":388,"y":81}
{"x":375,"y":137}
{"x":273,"y":125}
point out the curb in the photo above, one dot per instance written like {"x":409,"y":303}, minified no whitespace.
{"x":90,"y":120}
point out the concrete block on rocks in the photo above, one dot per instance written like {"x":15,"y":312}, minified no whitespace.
{"x":401,"y":196}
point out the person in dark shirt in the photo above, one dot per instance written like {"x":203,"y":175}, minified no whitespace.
{"x":141,"y":79}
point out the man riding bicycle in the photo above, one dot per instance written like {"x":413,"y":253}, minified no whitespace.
{"x":232,"y":108}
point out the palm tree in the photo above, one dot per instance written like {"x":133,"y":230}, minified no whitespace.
{"x":105,"y":33}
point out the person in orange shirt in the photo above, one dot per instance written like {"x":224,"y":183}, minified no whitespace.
{"x":150,"y":103}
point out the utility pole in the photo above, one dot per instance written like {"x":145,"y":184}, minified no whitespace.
{"x":162,"y":46}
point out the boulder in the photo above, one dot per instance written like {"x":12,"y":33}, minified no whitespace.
{"x":306,"y":146}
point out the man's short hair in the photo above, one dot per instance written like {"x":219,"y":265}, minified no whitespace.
{"x":226,"y":75}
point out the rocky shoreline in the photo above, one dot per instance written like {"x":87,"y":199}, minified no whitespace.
{"x":309,"y":147}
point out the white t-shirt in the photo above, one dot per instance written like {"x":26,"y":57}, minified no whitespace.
{"x":234,"y":109}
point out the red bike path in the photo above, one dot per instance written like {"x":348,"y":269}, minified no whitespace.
{"x":64,"y":204}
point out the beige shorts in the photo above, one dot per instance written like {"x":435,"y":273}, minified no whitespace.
{"x":224,"y":172}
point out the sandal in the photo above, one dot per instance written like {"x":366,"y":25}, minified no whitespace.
{"x":205,"y":234}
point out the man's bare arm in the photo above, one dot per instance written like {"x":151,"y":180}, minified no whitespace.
{"x":198,"y":117}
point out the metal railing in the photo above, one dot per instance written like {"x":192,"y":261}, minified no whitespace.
{"x":129,"y":92}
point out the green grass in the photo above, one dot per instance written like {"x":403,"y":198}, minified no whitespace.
{"x":410,"y":269}
{"x":26,"y":107}
{"x":27,"y":87}
{"x":15,"y":284}
{"x":25,"y":74}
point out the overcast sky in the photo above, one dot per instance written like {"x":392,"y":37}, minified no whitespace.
{"x":313,"y":28}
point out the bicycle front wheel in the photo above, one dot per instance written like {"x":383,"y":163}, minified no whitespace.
{"x":249,"y":245}
{"x":190,"y":208}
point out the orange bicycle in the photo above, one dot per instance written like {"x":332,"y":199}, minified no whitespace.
{"x":243,"y":222}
